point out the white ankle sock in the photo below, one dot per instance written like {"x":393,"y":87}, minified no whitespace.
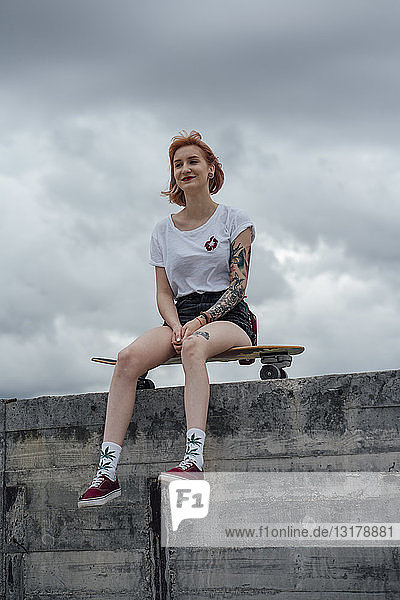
{"x":194,"y":446}
{"x":108,"y":460}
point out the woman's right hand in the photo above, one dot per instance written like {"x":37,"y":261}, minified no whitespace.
{"x":176,"y":338}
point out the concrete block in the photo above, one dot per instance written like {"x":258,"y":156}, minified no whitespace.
{"x":50,"y":449}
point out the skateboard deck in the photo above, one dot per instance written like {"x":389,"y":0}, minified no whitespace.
{"x":273,"y":358}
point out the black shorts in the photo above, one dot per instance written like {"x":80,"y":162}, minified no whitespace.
{"x":189,"y":307}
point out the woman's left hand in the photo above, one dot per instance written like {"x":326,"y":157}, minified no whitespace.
{"x":190,"y":327}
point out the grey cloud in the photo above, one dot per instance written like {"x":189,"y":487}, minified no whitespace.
{"x":300,"y":101}
{"x":318,"y":65}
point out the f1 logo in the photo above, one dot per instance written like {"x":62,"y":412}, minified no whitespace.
{"x":188,"y":502}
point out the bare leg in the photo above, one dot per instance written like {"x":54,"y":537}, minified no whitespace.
{"x":146,"y":352}
{"x":221,"y":335}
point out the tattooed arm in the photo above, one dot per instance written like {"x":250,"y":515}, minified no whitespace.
{"x":239,"y":270}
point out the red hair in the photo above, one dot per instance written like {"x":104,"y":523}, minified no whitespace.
{"x":176,"y":195}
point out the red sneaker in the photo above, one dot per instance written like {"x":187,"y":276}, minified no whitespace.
{"x":102,"y":490}
{"x":185,"y":470}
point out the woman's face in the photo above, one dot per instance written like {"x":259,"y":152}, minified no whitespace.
{"x":191,"y":169}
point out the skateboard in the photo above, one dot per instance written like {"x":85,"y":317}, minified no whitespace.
{"x":273,"y":358}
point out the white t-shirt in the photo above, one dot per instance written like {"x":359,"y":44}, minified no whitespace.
{"x":198,"y":260}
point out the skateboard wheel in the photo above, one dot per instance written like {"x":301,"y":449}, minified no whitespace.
{"x":145,"y":384}
{"x":284,"y":375}
{"x":270,"y":372}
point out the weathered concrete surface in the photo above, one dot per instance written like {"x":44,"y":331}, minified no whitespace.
{"x":50,"y":449}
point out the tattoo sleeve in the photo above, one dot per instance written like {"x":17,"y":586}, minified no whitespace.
{"x":239,"y":270}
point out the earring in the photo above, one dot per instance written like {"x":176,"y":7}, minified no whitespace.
{"x":210,"y":175}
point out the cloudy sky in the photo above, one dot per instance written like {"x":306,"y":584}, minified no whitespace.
{"x":299,"y":99}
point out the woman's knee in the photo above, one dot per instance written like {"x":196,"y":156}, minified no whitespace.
{"x":192,"y":349}
{"x":129,"y":361}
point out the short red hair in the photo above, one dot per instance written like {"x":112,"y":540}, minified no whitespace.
{"x":176,"y":195}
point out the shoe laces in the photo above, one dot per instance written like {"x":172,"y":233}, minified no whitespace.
{"x":186,"y":463}
{"x":98,"y":480}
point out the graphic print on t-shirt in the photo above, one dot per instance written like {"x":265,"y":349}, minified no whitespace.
{"x":211,"y":244}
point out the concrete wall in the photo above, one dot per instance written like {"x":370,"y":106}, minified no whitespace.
{"x":50,"y":448}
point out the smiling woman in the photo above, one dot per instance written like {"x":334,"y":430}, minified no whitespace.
{"x":201,"y":152}
{"x":201,"y":257}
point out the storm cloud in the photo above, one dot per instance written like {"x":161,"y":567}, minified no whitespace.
{"x":299,"y":99}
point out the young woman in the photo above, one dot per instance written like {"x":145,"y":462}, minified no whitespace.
{"x":201,"y":256}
